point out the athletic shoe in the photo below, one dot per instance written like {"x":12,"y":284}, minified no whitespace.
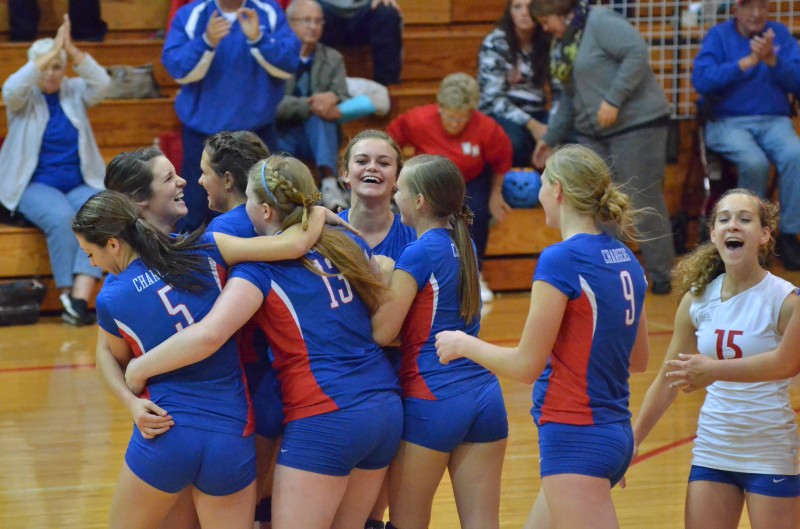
{"x":76,"y":311}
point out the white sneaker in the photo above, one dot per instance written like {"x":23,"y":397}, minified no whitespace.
{"x":333,"y":196}
{"x":487,"y":296}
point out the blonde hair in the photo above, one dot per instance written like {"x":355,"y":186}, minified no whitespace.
{"x":586,"y":182}
{"x":458,"y":91}
{"x":42,"y":46}
{"x":285,"y":184}
{"x":442,"y":186}
{"x":694,"y":272}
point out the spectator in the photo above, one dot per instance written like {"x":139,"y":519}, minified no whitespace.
{"x":617,"y":108}
{"x":222,"y":53}
{"x":513,"y":75}
{"x":745,"y":71}
{"x":50,"y":160}
{"x":453,"y":128}
{"x":308,"y":113}
{"x":374,"y":22}
{"x":24,"y":15}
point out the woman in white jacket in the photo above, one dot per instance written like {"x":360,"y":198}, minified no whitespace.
{"x":50,"y":160}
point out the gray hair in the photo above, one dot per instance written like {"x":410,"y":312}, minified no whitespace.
{"x":292,"y":7}
{"x":42,"y":46}
{"x":458,"y":91}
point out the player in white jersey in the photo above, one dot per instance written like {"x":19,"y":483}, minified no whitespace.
{"x":746,"y":446}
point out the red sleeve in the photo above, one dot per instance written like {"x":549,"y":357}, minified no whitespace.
{"x":498,"y":149}
{"x":398,"y":130}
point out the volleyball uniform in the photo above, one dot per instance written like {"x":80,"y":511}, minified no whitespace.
{"x":235,"y":222}
{"x":262,"y":380}
{"x":585,"y":382}
{"x":391,"y":246}
{"x":333,"y":376}
{"x":433,"y":262}
{"x":398,"y":237}
{"x":744,"y":427}
{"x":210,"y":395}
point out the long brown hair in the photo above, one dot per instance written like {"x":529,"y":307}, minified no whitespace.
{"x":696,"y":270}
{"x":442,"y":186}
{"x":291,"y":191}
{"x":235,"y":153}
{"x":131,"y":173}
{"x":112,"y":214}
{"x":541,"y":45}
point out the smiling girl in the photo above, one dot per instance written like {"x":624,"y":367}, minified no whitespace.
{"x":746,"y":446}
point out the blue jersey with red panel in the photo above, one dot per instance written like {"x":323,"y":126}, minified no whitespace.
{"x":139,"y":307}
{"x":252,"y":344}
{"x":234,"y":222}
{"x":433,"y":262}
{"x":321,"y":336}
{"x":398,"y":237}
{"x":586,"y":380}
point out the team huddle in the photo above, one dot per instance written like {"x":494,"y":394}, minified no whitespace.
{"x":353,"y":359}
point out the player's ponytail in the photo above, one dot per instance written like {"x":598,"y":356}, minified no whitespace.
{"x":110,"y":214}
{"x":586,"y":182}
{"x":442,"y":186}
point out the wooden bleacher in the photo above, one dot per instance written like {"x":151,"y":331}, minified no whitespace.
{"x":440,"y":37}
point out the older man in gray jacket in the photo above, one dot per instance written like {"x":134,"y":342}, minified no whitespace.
{"x":308,"y":112}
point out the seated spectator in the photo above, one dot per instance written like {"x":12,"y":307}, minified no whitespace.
{"x":50,"y":160}
{"x":513,"y":73}
{"x":745,"y":71}
{"x":453,"y":128}
{"x":308,"y":113}
{"x":374,"y":22}
{"x":24,"y":16}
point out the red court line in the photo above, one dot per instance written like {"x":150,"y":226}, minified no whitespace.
{"x":667,"y":447}
{"x":45,"y":368}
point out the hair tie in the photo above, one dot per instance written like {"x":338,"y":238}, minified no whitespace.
{"x":466,"y":215}
{"x":264,"y":181}
{"x":308,"y":202}
{"x":312,"y":199}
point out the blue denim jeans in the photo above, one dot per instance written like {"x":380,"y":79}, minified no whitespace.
{"x":52,"y":211}
{"x":313,"y":139}
{"x":752,"y":143}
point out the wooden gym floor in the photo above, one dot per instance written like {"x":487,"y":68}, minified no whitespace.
{"x":62,"y":436}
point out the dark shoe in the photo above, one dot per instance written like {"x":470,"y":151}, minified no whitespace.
{"x":76,"y":311}
{"x":662,"y":288}
{"x":788,"y":249}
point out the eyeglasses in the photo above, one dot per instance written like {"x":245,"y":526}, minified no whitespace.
{"x":308,"y":21}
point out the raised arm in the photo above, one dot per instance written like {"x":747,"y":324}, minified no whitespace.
{"x":659,"y":396}
{"x":690,"y":372}
{"x":526,"y":361}
{"x":237,"y":303}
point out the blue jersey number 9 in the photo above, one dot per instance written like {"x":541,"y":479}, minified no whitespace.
{"x":627,"y":293}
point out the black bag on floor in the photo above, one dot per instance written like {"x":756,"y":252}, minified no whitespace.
{"x":20,"y":301}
